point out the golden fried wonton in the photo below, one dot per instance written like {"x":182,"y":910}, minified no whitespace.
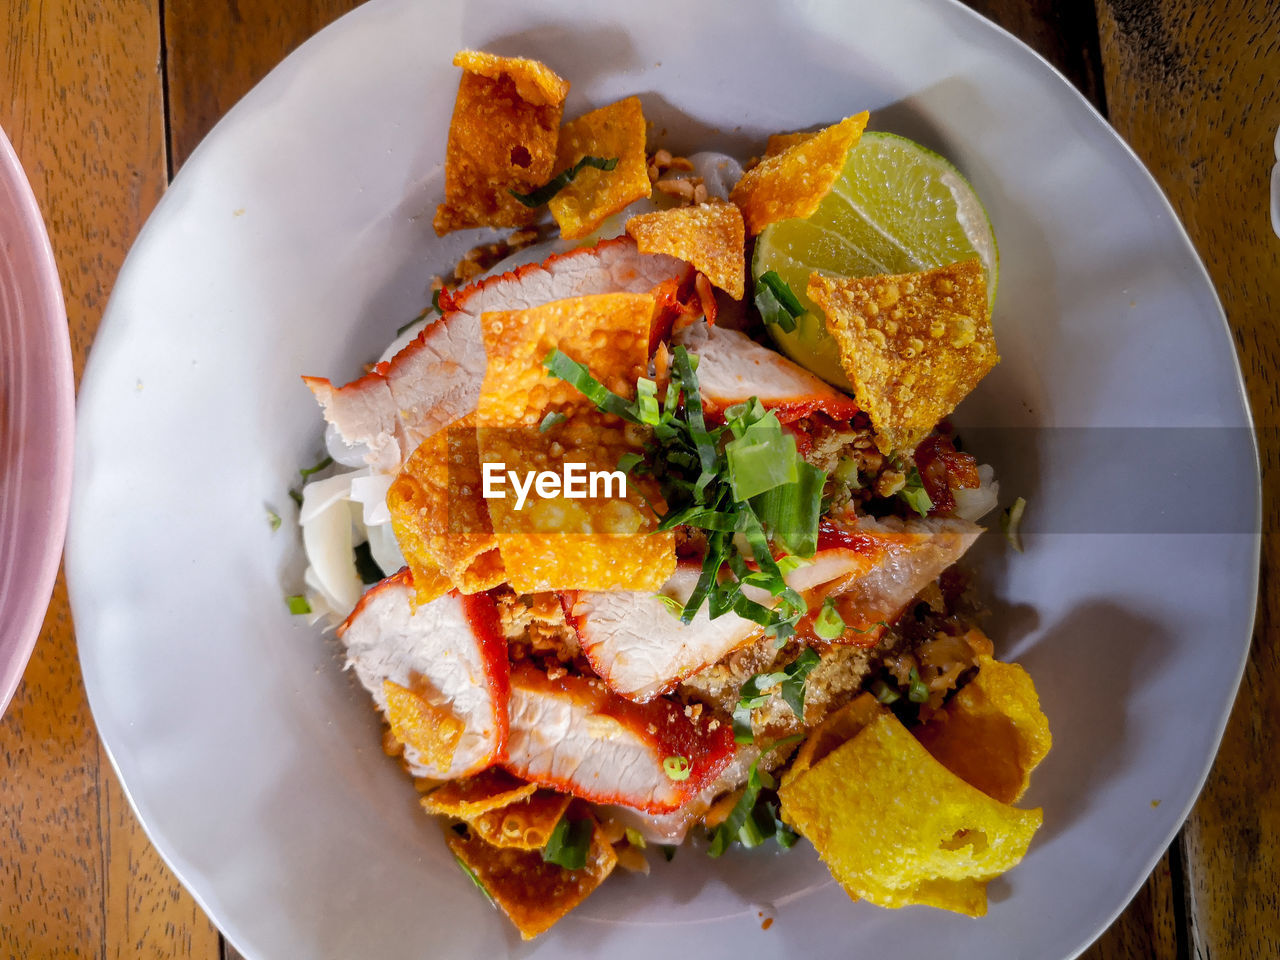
{"x":431,"y":730}
{"x":525,"y":824}
{"x":602,"y":541}
{"x":533,"y":893}
{"x":913,"y":345}
{"x":503,"y":137}
{"x":616,"y":130}
{"x":709,"y":236}
{"x":792,"y":183}
{"x":470,"y":797}
{"x":895,"y":827}
{"x":992,"y":733}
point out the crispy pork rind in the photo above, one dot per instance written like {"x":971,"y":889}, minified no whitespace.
{"x":416,"y":722}
{"x":895,"y":827}
{"x":525,"y":824}
{"x":534,"y":894}
{"x":603,"y":542}
{"x":503,"y":137}
{"x":616,"y":130}
{"x":792,"y":183}
{"x":471,"y":797}
{"x":992,"y":733}
{"x":440,"y":518}
{"x":709,"y":236}
{"x":912,"y":344}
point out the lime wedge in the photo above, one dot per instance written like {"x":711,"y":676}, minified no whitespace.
{"x":897,"y":208}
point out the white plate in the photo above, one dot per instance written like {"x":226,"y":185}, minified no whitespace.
{"x":298,"y":237}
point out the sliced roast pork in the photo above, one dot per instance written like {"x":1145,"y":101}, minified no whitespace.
{"x":435,"y":380}
{"x":450,"y":653}
{"x":641,"y":649}
{"x":733,"y":368}
{"x":572,"y":734}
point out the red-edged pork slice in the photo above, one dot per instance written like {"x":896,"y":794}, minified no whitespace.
{"x":909,"y":556}
{"x":435,"y":380}
{"x":641,"y":650}
{"x":574,"y":735}
{"x":733,"y":368}
{"x":450,"y":651}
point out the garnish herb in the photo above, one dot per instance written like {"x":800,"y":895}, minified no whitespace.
{"x":676,"y":767}
{"x":273,"y":518}
{"x":536,"y":198}
{"x":474,"y":879}
{"x":298,"y":605}
{"x":674,"y":606}
{"x":296,"y":496}
{"x":552,"y":419}
{"x":743,"y":484}
{"x":668,"y":852}
{"x":568,"y":843}
{"x":435,"y":305}
{"x":828,"y":624}
{"x":366,"y":566}
{"x":915,"y":495}
{"x":776,"y":303}
{"x":751,"y":822}
{"x":635,"y":838}
{"x":791,"y":681}
{"x":1011,"y":520}
{"x":884,"y":692}
{"x":308,"y":471}
{"x":917,"y":689}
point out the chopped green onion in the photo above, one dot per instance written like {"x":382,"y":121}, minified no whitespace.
{"x":671,"y":603}
{"x":647,"y":401}
{"x":629,"y":461}
{"x":828,"y":624}
{"x":366,"y":566}
{"x":537,"y":198}
{"x":296,"y":496}
{"x":298,"y":605}
{"x":668,"y":851}
{"x":435,"y":300}
{"x":273,"y":518}
{"x":635,"y":838}
{"x":568,"y":843}
{"x":789,"y":563}
{"x":579,"y":377}
{"x":474,"y":879}
{"x":791,"y":512}
{"x":915,"y":495}
{"x":884,"y":692}
{"x":552,"y":419}
{"x":308,"y":471}
{"x":1011,"y":521}
{"x":775,"y":301}
{"x":676,"y":767}
{"x":735,"y":826}
{"x":791,"y":683}
{"x":846,"y":472}
{"x":760,"y":458}
{"x":917,"y":689}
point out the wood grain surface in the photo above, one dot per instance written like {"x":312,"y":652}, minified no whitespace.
{"x":108,"y":98}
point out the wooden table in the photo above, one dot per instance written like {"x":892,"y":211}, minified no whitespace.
{"x":106,"y":100}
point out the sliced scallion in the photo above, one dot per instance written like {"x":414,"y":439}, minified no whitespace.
{"x":567,"y":846}
{"x":828,"y":624}
{"x":297,"y":605}
{"x":917,"y":689}
{"x":536,"y":198}
{"x":1011,"y":521}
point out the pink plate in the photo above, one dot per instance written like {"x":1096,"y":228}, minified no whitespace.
{"x":37,"y":420}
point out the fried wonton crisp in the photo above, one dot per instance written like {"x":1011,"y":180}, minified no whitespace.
{"x":605,"y":539}
{"x":913,"y":345}
{"x":709,"y":236}
{"x":416,"y":722}
{"x":992,"y":733}
{"x":613,"y":131}
{"x":471,"y":797}
{"x":533,"y":893}
{"x":503,"y":137}
{"x":440,"y":519}
{"x":838,"y":727}
{"x":525,"y":824}
{"x":895,"y":827}
{"x":779,"y":142}
{"x":792,"y":183}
